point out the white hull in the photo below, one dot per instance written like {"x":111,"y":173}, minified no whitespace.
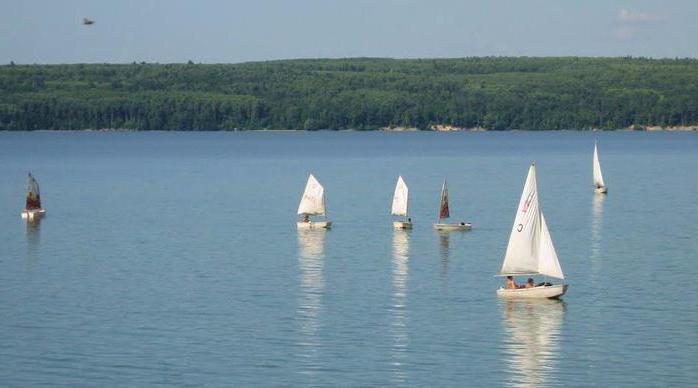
{"x":601,"y":190}
{"x":32,"y":214}
{"x":448,"y":227}
{"x":314,"y":225}
{"x":402,"y":225}
{"x":551,"y":292}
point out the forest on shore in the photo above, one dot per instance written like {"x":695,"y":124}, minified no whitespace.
{"x":492,"y":93}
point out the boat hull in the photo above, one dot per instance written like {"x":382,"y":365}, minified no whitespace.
{"x":314,"y":225}
{"x":541,"y":292}
{"x":32,"y":214}
{"x":402,"y":225}
{"x":449,"y":227}
{"x":601,"y":190}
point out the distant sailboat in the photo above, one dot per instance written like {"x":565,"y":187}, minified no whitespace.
{"x":33,"y":208}
{"x":312,"y":204}
{"x":399,"y":207}
{"x":530,"y":251}
{"x":599,"y":185}
{"x":444,"y":213}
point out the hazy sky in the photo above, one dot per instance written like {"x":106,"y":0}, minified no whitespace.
{"x":51,"y":31}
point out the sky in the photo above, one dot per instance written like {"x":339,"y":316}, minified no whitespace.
{"x":219,"y":31}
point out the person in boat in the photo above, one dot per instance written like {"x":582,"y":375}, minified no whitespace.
{"x":510,"y":284}
{"x":305,"y":218}
{"x":529,"y":283}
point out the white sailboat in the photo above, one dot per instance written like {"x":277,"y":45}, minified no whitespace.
{"x":312,"y":204}
{"x":399,"y":207}
{"x":444,"y":213}
{"x":599,"y":185}
{"x":530,"y":250}
{"x":33,"y":208}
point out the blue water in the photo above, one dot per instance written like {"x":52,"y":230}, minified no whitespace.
{"x":173,"y":258}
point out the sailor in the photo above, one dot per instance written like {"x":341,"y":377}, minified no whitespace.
{"x":509,"y":283}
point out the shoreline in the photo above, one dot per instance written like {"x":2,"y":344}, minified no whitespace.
{"x":434,"y":128}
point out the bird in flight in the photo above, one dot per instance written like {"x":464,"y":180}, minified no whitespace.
{"x":87,"y":21}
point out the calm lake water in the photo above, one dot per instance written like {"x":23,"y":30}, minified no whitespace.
{"x":173,"y":258}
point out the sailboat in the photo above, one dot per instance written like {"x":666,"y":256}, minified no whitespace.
{"x":399,"y":207}
{"x":444,"y":213}
{"x":33,"y":208}
{"x":599,"y":185}
{"x":530,"y":250}
{"x":312,"y":204}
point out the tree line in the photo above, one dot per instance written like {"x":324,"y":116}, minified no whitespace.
{"x":359,"y":93}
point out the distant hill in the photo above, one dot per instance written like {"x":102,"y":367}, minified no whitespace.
{"x":362,"y":93}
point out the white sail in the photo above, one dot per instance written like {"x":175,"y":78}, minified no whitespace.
{"x":400,"y":198}
{"x":548,"y":264}
{"x":598,"y":177}
{"x":313,"y":200}
{"x":530,"y":250}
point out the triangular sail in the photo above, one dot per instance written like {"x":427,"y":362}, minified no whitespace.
{"x":530,"y":250}
{"x":399,"y":207}
{"x":313,"y":200}
{"x":33,"y":195}
{"x":598,"y":177}
{"x":521,"y":256}
{"x":443,"y":204}
{"x":548,"y":264}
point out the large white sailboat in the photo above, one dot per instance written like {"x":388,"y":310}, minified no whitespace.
{"x":32,"y":208}
{"x":599,"y":185}
{"x":530,"y":251}
{"x":399,"y":208}
{"x":444,"y":213}
{"x":313,"y":204}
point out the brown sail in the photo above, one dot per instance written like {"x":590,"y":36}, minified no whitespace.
{"x":443,"y":206}
{"x":33,"y":195}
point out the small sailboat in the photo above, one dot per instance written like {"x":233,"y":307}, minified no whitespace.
{"x":444,"y":213}
{"x":530,"y":251}
{"x":399,"y":207}
{"x":599,"y":185}
{"x":33,"y":208}
{"x":313,"y":204}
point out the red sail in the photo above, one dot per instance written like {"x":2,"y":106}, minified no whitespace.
{"x":33,"y":196}
{"x":443,"y":208}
